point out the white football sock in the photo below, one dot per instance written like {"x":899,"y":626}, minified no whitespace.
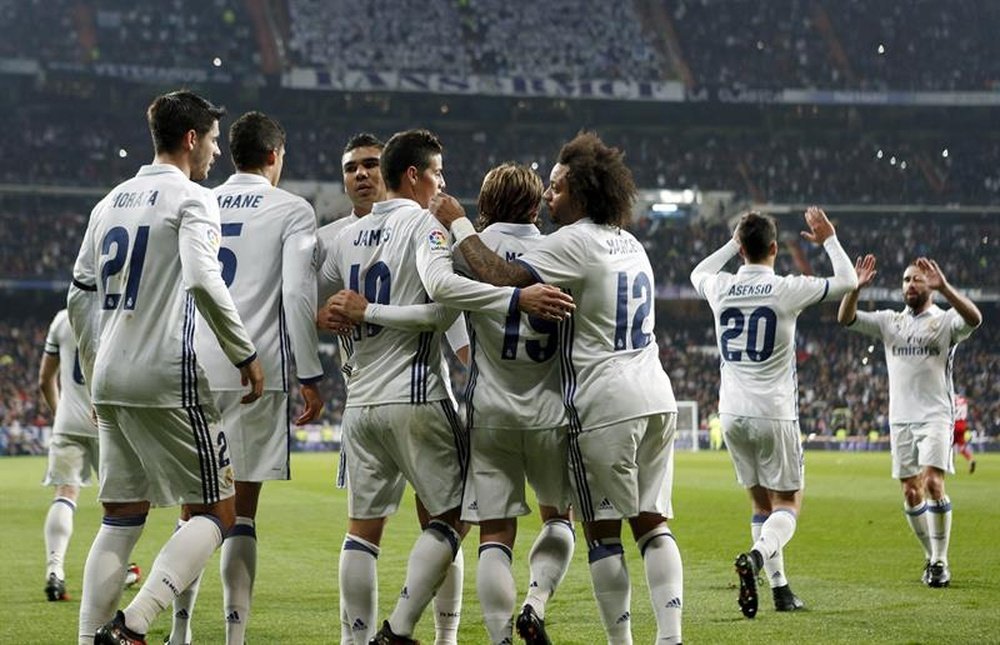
{"x":939,"y":525}
{"x":612,"y":589}
{"x":778,"y":529}
{"x":104,"y":572}
{"x":238,"y":568}
{"x":179,"y":562}
{"x":916,"y":517}
{"x":774,"y":567}
{"x":180,"y":628}
{"x":548,"y":561}
{"x":448,"y":603}
{"x":58,"y":530}
{"x":358,"y":590}
{"x":497,"y":591}
{"x":665,"y":578}
{"x":425,"y":571}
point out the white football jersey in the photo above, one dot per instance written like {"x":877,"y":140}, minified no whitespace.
{"x":149,"y":253}
{"x":269,"y":257}
{"x":327,"y":236}
{"x":919,"y":354}
{"x":73,"y":409}
{"x":388,"y":257}
{"x":610,"y":361}
{"x":755,"y":312}
{"x":514,"y":373}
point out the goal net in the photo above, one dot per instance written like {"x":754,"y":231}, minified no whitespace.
{"x":687,"y":426}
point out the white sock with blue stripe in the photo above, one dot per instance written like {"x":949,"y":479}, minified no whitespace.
{"x":774,"y":567}
{"x":916,"y":517}
{"x":430,"y":558}
{"x":665,"y":578}
{"x":238,"y":567}
{"x":180,"y":628}
{"x":548,"y":561}
{"x":612,"y":589}
{"x":448,"y":603}
{"x":58,"y":530}
{"x":939,"y":523}
{"x":497,"y":591}
{"x":777,"y":530}
{"x":104,"y":571}
{"x":358,"y":590}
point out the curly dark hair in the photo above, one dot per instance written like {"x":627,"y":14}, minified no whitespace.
{"x":510,"y":193}
{"x":599,"y":182}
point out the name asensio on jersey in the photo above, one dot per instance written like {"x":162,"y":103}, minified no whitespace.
{"x":750,"y":289}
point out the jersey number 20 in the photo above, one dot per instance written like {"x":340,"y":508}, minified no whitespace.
{"x":734,"y":321}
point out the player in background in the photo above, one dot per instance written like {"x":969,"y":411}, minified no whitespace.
{"x":147,"y":263}
{"x":755,"y":314}
{"x":73,"y":450}
{"x":364,"y":186}
{"x":269,"y":258}
{"x":619,"y":402}
{"x":517,"y":426}
{"x":398,"y":416}
{"x":962,"y":430}
{"x":920,"y":344}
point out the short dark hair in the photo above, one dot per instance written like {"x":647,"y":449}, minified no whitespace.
{"x":404,"y":149}
{"x":363,"y":140}
{"x":756,"y":232}
{"x":511,"y":193}
{"x":173,"y":115}
{"x":599,"y":182}
{"x":252,"y":137}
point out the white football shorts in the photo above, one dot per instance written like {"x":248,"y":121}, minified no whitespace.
{"x":258,"y":434}
{"x":500,"y":462}
{"x":916,"y":445}
{"x":765,"y":452}
{"x":385,"y":446}
{"x":624,"y":469}
{"x":73,"y":459}
{"x":166,"y":456}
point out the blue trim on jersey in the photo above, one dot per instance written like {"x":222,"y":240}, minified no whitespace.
{"x":206,"y":454}
{"x":283,"y":343}
{"x":568,"y":375}
{"x":530,"y":269}
{"x":249,"y":359}
{"x":758,"y":518}
{"x":460,"y":436}
{"x":826,"y":291}
{"x":342,"y":466}
{"x":419,"y":369}
{"x":84,"y":287}
{"x":288,"y":438}
{"x":470,"y":386}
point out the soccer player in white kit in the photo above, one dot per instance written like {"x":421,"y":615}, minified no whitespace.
{"x":619,"y":402}
{"x":73,"y":450}
{"x":147,"y":263}
{"x":755,"y":313}
{"x":269,"y":258}
{"x":920,"y":344}
{"x":398,"y":417}
{"x":517,"y":426}
{"x":364,"y":186}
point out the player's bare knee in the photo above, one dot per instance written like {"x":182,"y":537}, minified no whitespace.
{"x":644,"y":523}
{"x":549,"y":513}
{"x":503,"y":531}
{"x":247,"y":497}
{"x":368,"y":529}
{"x":68,"y":491}
{"x":124,"y":509}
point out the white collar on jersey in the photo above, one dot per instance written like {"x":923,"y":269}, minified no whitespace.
{"x":387,"y":205}
{"x":247,"y":178}
{"x":754,"y":268}
{"x":909,"y":310}
{"x":158,"y":168}
{"x":517,"y":230}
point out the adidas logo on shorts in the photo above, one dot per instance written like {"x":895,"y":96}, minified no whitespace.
{"x":474,"y":506}
{"x":605,"y":505}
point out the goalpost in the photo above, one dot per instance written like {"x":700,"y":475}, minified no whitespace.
{"x":687,"y":426}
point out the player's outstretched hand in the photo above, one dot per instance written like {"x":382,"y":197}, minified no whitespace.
{"x":865,"y":268}
{"x":446,"y":209}
{"x":820,"y":227}
{"x":348,"y":304}
{"x":932,"y":272}
{"x":546,"y":302}
{"x":253,"y":375}
{"x":314,"y":403}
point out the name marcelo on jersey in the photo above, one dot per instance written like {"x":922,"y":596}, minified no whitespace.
{"x":749,"y":290}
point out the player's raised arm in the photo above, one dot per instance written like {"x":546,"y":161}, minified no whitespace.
{"x":714,"y":263}
{"x":821,"y":232}
{"x":935,"y":280}
{"x":865,"y":270}
{"x":198,"y":240}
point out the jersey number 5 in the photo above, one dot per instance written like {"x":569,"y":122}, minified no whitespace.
{"x":118,"y":238}
{"x":761,"y":316}
{"x":227,"y":258}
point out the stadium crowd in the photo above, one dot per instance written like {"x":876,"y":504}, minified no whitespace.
{"x":922,"y":45}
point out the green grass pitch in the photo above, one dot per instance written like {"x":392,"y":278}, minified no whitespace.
{"x":853,"y":561}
